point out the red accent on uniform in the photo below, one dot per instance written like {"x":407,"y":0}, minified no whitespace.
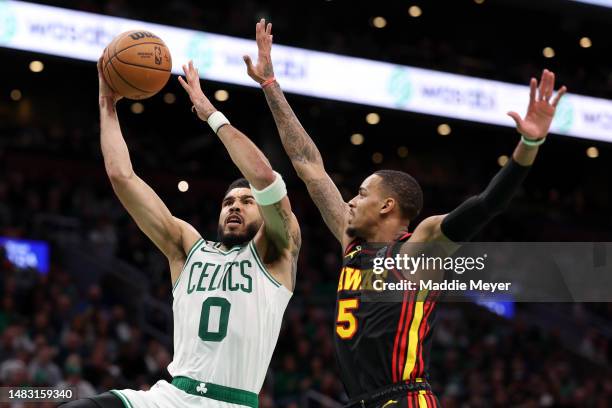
{"x":394,"y":368}
{"x":350,"y":246}
{"x":418,"y":367}
{"x":403,"y":345}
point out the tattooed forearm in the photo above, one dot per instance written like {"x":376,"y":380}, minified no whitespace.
{"x":284,"y":233}
{"x":329,"y":201}
{"x":298,"y":145}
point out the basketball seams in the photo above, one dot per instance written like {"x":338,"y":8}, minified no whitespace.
{"x":117,"y":53}
{"x":128,"y":83}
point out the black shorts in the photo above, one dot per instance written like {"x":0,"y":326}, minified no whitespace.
{"x":403,"y":395}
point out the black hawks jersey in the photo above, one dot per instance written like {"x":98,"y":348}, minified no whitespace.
{"x":379,"y":339}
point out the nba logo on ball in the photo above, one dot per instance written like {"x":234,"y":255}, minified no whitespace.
{"x":137,"y":64}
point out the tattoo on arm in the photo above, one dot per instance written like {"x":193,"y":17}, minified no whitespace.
{"x":298,"y":145}
{"x":329,"y":201}
{"x":287,"y":237}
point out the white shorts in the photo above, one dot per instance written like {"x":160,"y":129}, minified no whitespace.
{"x":165,"y":395}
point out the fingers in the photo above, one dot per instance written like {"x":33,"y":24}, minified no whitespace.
{"x":183,"y":83}
{"x":558,"y":96}
{"x":516,"y":117}
{"x":533,"y":86}
{"x":269,"y":29}
{"x":541,"y":87}
{"x":248,"y":62}
{"x":549,"y":85}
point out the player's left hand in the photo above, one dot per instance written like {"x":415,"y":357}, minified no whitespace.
{"x":264,"y":69}
{"x":201,"y":104}
{"x":541,"y":109}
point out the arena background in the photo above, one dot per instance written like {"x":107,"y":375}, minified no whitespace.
{"x":100,"y":318}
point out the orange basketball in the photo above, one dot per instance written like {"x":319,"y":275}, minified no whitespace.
{"x":136,"y":64}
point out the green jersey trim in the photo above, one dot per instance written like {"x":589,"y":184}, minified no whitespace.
{"x":261,"y":266}
{"x":216,"y":392}
{"x":195,"y":246}
{"x":126,"y":402}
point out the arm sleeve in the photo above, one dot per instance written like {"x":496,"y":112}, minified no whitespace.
{"x":471,"y":216}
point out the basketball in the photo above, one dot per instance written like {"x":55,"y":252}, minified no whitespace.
{"x":136,"y":64}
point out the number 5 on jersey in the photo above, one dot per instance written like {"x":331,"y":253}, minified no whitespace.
{"x":346,"y":322}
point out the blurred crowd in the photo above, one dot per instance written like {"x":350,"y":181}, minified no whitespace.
{"x":55,"y":332}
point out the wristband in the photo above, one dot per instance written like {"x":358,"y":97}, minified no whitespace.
{"x":268,"y":82}
{"x":532,"y":143}
{"x":216,"y":120}
{"x":272,"y":194}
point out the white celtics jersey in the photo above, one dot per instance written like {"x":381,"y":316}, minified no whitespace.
{"x":227,"y":315}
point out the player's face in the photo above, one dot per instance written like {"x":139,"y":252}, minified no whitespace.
{"x":365,"y":207}
{"x":239,"y":219}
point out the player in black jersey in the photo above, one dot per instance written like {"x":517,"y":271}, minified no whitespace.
{"x":382,"y":347}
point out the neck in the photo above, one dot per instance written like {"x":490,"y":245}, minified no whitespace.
{"x":388,"y":231}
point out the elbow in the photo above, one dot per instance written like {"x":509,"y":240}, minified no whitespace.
{"x":265,"y":176}
{"x":119,"y":176}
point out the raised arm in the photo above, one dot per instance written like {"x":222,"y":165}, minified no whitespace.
{"x":280,"y":225}
{"x":465,"y":221}
{"x":300,"y":148}
{"x":168,"y":233}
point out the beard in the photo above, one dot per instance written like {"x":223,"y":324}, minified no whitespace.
{"x":232,"y":239}
{"x":351,"y":232}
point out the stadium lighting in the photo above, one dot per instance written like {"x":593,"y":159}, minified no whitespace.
{"x":502,"y":160}
{"x":585,"y":42}
{"x":379,"y":22}
{"x":402,"y":152}
{"x":316,"y":74}
{"x":478,"y":1}
{"x":16,"y":94}
{"x":169,"y":98}
{"x":592,"y":152}
{"x":221,"y":95}
{"x":36,"y":66}
{"x":373,"y":118}
{"x":183,"y":186}
{"x":444,"y":129}
{"x":137,"y":108}
{"x":357,"y":139}
{"x":415,"y":11}
{"x":548,"y":52}
{"x":377,"y":157}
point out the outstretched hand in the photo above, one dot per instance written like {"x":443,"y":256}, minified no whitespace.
{"x":263,"y":70}
{"x":203,"y":107}
{"x":541,"y":109}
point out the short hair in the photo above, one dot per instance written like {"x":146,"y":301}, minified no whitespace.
{"x":238,"y":183}
{"x":405,"y":189}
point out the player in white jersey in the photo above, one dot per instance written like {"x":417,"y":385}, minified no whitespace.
{"x":229,"y":296}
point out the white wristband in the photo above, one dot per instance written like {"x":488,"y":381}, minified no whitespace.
{"x":216,"y":120}
{"x":271,"y":194}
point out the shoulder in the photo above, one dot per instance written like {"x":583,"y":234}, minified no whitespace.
{"x":429,"y":229}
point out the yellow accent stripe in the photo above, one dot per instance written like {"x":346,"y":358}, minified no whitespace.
{"x":422,"y":400}
{"x":413,"y":338}
{"x":390,"y":402}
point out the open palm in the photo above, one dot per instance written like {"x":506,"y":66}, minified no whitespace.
{"x":541,"y":109}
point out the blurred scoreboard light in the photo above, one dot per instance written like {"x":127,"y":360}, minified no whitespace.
{"x":25,"y":253}
{"x":604,"y":3}
{"x":75,"y":34}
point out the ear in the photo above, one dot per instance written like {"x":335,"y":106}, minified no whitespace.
{"x":388,"y":205}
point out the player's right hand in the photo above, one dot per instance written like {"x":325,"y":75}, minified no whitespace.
{"x":105,"y":90}
{"x":263,"y":70}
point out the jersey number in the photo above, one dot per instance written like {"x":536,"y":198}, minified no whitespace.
{"x":204,"y":332}
{"x":346,"y":322}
